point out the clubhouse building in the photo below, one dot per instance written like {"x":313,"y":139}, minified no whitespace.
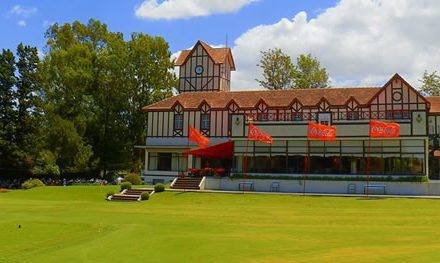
{"x":206,"y":102}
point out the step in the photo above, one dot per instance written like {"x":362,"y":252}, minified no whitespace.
{"x":187,"y":183}
{"x":189,"y":179}
{"x":122,"y":197}
{"x":186,"y":187}
{"x":137,"y":192}
{"x":183,"y":184}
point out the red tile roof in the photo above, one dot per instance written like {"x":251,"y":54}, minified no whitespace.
{"x":435,"y":104}
{"x":218,"y":55}
{"x":273,"y":98}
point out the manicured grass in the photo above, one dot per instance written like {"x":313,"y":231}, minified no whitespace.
{"x":75,"y":224}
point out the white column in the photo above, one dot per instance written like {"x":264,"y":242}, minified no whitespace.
{"x":353,"y":166}
{"x":146,"y":161}
{"x":190,"y":161}
{"x":427,"y":157}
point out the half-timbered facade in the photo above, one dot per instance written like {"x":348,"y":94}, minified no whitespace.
{"x":205,"y":68}
{"x":223,"y":115}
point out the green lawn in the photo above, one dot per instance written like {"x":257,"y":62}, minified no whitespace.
{"x":75,"y":224}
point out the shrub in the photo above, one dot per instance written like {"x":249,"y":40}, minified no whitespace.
{"x":159,"y":188}
{"x":31,"y":183}
{"x":125,"y":185}
{"x":145,"y":196}
{"x":133,"y":178}
{"x":110,"y":194}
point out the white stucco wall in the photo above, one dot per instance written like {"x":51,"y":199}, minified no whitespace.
{"x":331,"y":187}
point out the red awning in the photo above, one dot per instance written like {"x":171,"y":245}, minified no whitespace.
{"x":221,"y":150}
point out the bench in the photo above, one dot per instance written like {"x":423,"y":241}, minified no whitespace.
{"x":275,"y":187}
{"x":378,"y":189}
{"x":246,"y":186}
{"x":351,"y":188}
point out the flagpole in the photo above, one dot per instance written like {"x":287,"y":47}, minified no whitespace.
{"x":245,"y":164}
{"x":368,"y":163}
{"x":306,"y":165}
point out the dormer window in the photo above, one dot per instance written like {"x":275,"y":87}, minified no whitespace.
{"x":205,"y":121}
{"x":178,"y":122}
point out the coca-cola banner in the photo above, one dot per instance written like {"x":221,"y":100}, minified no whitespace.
{"x":321,"y":132}
{"x":384,"y":129}
{"x":256,"y":134}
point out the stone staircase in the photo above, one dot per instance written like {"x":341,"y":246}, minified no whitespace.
{"x":190,"y":183}
{"x":130,"y":195}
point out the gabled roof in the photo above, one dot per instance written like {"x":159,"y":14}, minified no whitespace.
{"x":218,"y":55}
{"x":435,"y":104}
{"x":273,"y":98}
{"x":398,"y":77}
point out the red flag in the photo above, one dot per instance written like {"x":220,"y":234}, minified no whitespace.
{"x":195,"y":136}
{"x":256,"y":134}
{"x":384,"y":129}
{"x":321,"y":132}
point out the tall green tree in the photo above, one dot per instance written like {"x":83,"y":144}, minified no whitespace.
{"x":7,"y":108}
{"x":308,"y":73}
{"x":278,"y":69}
{"x":7,"y":94}
{"x":99,"y":82}
{"x":279,"y":72}
{"x":28,"y":98}
{"x":151,"y":80}
{"x":430,"y":83}
{"x":75,"y":86}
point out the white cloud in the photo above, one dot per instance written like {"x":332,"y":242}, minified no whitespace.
{"x":360,"y":42}
{"x":22,"y":23}
{"x":22,"y":11}
{"x":177,"y":9}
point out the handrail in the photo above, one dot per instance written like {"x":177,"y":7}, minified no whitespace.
{"x":173,"y":182}
{"x":202,"y":183}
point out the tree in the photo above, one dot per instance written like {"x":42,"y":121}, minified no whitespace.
{"x":280,"y":73}
{"x":151,"y":80}
{"x":99,"y":83}
{"x":278,"y":69}
{"x":27,"y":96}
{"x":431,"y":84}
{"x":7,"y":108}
{"x":7,"y":103}
{"x":309,"y":74}
{"x":68,"y":151}
{"x":45,"y":164}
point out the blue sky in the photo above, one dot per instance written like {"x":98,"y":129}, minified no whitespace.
{"x":120,"y":16}
{"x":359,"y":42}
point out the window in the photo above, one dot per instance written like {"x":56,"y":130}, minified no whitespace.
{"x":205,"y":122}
{"x":386,"y":157}
{"x":262,"y":117}
{"x":166,"y":162}
{"x":352,"y":115}
{"x":297,"y":116}
{"x":178,"y":121}
{"x":397,"y":114}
